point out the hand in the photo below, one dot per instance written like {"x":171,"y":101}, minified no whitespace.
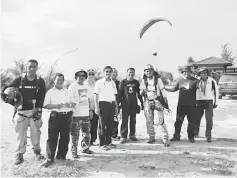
{"x":166,"y":100}
{"x":214,"y":106}
{"x":58,"y":106}
{"x":142,"y":107}
{"x":97,"y":111}
{"x":91,"y":114}
{"x":143,"y":93}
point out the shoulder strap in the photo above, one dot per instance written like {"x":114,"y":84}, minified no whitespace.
{"x":155,"y":81}
{"x":23,"y":80}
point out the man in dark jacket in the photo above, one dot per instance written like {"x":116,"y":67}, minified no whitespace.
{"x":129,"y":92}
{"x":32,"y":88}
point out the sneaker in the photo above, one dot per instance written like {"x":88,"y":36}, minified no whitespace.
{"x":209,"y":139}
{"x":87,"y":151}
{"x":111,"y":145}
{"x":105,"y":147}
{"x":151,"y":140}
{"x":61,"y":157}
{"x":123,"y":140}
{"x":191,"y":140}
{"x":175,"y":138}
{"x":38,"y":155}
{"x":19,"y":159}
{"x":48,"y":162}
{"x":166,"y":143}
{"x":114,"y":136}
{"x":133,"y":138}
{"x":75,"y":156}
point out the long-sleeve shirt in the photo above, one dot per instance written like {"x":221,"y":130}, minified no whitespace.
{"x":29,"y":93}
{"x":129,"y":91}
{"x":152,"y":91}
{"x":208,"y":90}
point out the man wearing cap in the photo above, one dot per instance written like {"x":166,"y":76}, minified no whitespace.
{"x":94,"y":118}
{"x":32,"y":88}
{"x":129,"y":92}
{"x":60,"y":102}
{"x":81,"y":118}
{"x":152,"y":88}
{"x":207,"y":99}
{"x":115,"y":122}
{"x":187,"y":86}
{"x":105,"y":99}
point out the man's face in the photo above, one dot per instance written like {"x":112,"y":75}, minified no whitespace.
{"x":59,"y":80}
{"x":32,"y":67}
{"x":81,"y":77}
{"x":149,"y":72}
{"x":187,"y":74}
{"x":91,"y":76}
{"x":131,"y":74}
{"x":203,"y":75}
{"x":108,"y":73}
{"x":114,"y":74}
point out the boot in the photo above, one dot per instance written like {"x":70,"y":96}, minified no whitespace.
{"x":19,"y":159}
{"x":175,"y":138}
{"x":191,"y":139}
{"x":87,"y":151}
{"x":48,"y":162}
{"x":209,"y":139}
{"x":133,"y":138}
{"x":75,"y":155}
{"x":151,"y":140}
{"x":123,"y":140}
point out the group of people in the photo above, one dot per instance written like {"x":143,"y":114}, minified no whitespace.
{"x":87,"y":105}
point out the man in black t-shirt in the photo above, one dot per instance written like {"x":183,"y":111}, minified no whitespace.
{"x":129,"y":92}
{"x":187,"y":86}
{"x":32,"y":88}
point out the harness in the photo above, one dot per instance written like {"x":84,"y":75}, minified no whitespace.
{"x":23,"y":86}
{"x":159,"y":98}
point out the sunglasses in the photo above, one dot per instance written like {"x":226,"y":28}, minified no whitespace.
{"x":92,"y":74}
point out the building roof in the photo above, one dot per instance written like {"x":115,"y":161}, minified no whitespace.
{"x":213,"y":61}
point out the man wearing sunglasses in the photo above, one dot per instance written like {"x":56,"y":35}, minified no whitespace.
{"x":81,"y":119}
{"x":105,"y":98}
{"x":93,"y":116}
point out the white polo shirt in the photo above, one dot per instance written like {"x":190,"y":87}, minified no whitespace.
{"x":106,"y":90}
{"x":56,"y":96}
{"x":80,"y":96}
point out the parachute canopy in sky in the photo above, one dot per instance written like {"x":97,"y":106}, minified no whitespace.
{"x":151,"y":22}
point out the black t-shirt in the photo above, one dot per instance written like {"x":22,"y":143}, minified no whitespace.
{"x":187,"y":91}
{"x":29,"y":92}
{"x":129,"y":91}
{"x":117,"y":87}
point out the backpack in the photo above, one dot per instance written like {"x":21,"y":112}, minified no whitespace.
{"x":159,"y":98}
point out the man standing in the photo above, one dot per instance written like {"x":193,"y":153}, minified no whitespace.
{"x":60,"y":102}
{"x":81,"y":119}
{"x":94,"y":118}
{"x":207,"y":99}
{"x":105,"y":100}
{"x":152,"y":89}
{"x":115,"y":122}
{"x":187,"y":86}
{"x":129,"y":92}
{"x":32,"y":88}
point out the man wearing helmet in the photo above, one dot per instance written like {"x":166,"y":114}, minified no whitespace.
{"x":152,"y":89}
{"x":81,"y":114}
{"x":32,"y":88}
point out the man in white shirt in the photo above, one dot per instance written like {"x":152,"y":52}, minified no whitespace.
{"x":152,"y":88}
{"x":81,"y":119}
{"x":59,"y":101}
{"x":207,"y":99}
{"x":94,"y":117}
{"x":105,"y":99}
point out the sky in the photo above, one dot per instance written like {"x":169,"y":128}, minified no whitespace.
{"x":106,"y":32}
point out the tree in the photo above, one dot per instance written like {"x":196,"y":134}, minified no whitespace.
{"x":6,"y":77}
{"x":166,"y":77}
{"x":227,"y":54}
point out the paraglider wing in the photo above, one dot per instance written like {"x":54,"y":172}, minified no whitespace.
{"x":151,"y":22}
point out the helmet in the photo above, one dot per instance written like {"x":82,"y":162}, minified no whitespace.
{"x":12,"y":96}
{"x":148,"y":66}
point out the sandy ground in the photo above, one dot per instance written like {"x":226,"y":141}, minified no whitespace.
{"x":137,"y":159}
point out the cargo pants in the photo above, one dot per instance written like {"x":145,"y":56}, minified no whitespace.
{"x":151,"y":121}
{"x":77,"y":124}
{"x":21,"y":125}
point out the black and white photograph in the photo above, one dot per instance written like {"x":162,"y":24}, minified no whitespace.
{"x":118,"y":88}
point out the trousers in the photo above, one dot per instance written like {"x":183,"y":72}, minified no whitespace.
{"x":21,"y":125}
{"x":149,"y":111}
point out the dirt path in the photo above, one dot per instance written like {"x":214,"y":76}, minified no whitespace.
{"x":182,"y":159}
